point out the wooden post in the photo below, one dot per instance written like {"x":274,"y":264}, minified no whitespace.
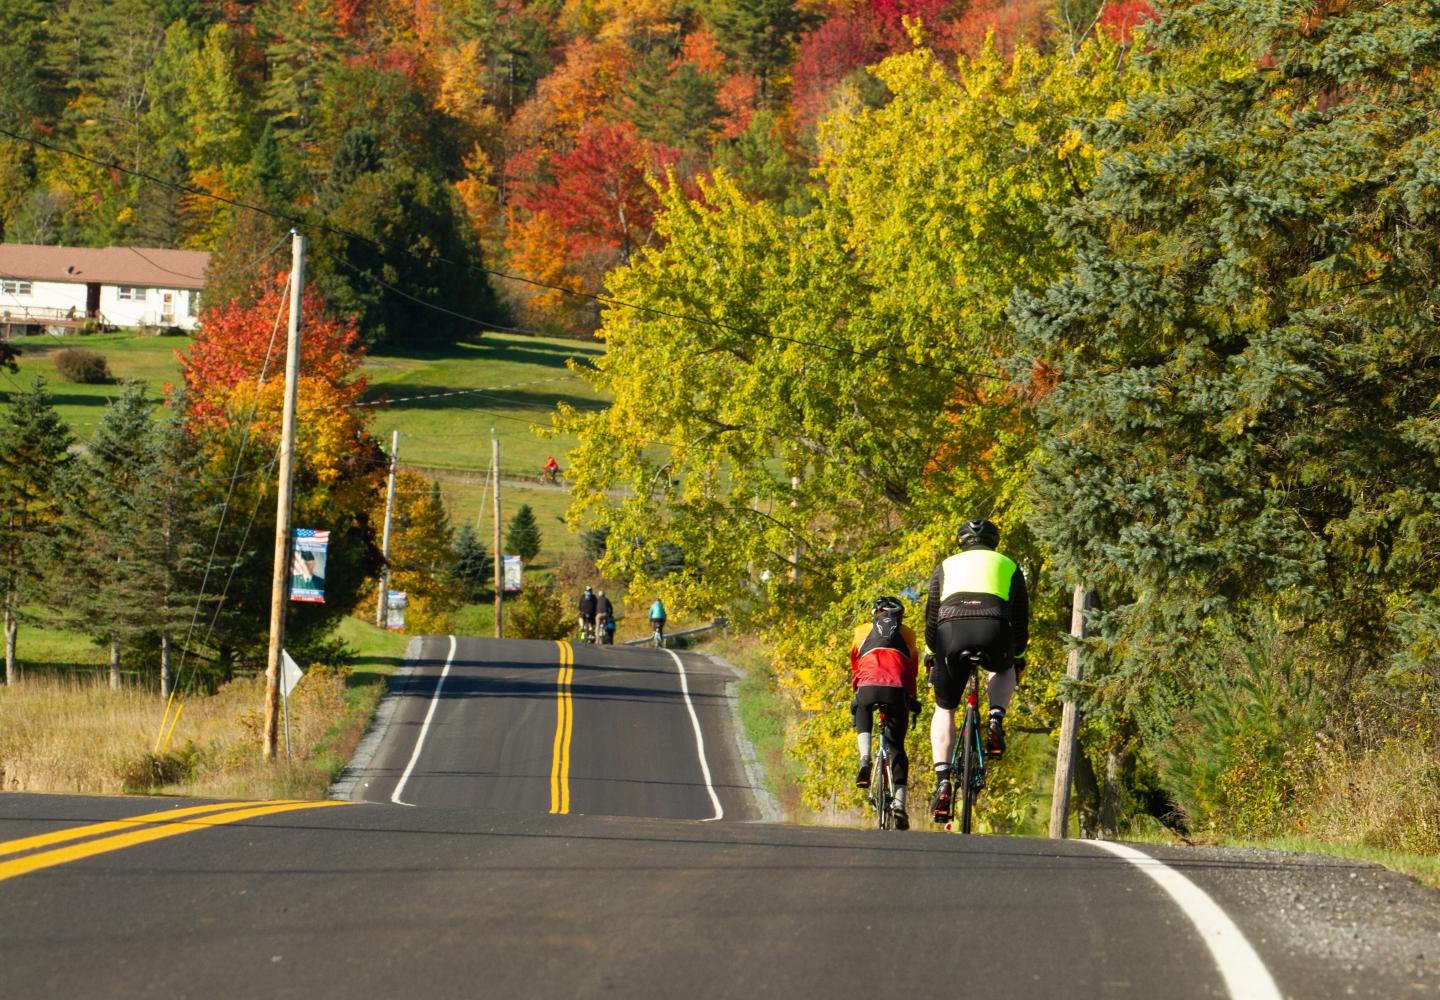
{"x":381,"y":603}
{"x":1069,"y":721}
{"x":499,"y":559}
{"x":280,"y":577}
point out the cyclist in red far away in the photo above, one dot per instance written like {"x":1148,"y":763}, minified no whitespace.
{"x":977,"y":602}
{"x":884,"y":664}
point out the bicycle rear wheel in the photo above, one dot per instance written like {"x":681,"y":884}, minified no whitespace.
{"x":970,"y":767}
{"x":884,"y":816}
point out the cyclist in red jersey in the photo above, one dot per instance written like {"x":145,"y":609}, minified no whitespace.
{"x":884,"y":665}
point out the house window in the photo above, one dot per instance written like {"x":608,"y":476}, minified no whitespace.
{"x":15,"y":287}
{"x":128,"y":293}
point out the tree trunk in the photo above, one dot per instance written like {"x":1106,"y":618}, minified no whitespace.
{"x":114,"y":665}
{"x":12,"y":626}
{"x":1117,"y":767}
{"x":165,"y":663}
{"x":1087,"y":796}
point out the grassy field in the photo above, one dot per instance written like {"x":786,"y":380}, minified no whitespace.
{"x":142,"y":359}
{"x":444,"y":405}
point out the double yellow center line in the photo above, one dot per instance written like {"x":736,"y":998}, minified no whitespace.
{"x":564,"y":718}
{"x":137,"y":830}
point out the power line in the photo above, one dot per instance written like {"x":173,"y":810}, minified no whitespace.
{"x":607,"y":300}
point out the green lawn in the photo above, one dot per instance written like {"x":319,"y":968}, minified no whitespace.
{"x":444,"y":430}
{"x":144,"y":359}
{"x":444,"y":426}
{"x":446,"y":405}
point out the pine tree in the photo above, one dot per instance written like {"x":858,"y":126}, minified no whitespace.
{"x":34,"y":450}
{"x":522,"y":537}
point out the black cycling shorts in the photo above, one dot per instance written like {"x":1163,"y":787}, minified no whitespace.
{"x":868,"y":698}
{"x":988,"y":636}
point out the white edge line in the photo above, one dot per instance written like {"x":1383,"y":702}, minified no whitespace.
{"x":699,"y":737}
{"x":1246,"y":977}
{"x":424,"y":728}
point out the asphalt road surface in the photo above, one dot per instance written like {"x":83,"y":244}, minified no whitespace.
{"x":532,"y":819}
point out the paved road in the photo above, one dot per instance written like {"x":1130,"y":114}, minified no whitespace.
{"x":489,"y":882}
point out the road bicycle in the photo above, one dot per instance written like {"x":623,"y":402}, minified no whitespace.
{"x":551,"y":475}
{"x":587,"y":633}
{"x":968,"y":758}
{"x":882,"y":780}
{"x":657,"y":636}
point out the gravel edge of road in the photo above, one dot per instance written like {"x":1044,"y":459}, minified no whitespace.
{"x":754,"y":773}
{"x":344,"y":786}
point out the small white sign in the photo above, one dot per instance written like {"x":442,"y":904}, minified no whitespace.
{"x":290,"y":673}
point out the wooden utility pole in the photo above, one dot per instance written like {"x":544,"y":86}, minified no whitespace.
{"x":499,"y":559}
{"x":1069,"y":720}
{"x":279,"y":580}
{"x":381,"y":603}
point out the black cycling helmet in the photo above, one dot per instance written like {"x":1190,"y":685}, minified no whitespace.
{"x":887,"y":605}
{"x":978,"y":534}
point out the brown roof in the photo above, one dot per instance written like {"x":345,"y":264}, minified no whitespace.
{"x":141,"y":266}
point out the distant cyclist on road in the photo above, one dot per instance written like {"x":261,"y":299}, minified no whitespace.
{"x":884,"y":665}
{"x":604,"y":610}
{"x":657,"y":620}
{"x":587,"y":614}
{"x":977,"y":602}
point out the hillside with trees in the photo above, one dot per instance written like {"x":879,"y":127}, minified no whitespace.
{"x":431,"y":147}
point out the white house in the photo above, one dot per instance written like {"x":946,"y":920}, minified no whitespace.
{"x":60,"y":288}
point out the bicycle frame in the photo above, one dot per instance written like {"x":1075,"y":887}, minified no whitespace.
{"x":967,"y":759}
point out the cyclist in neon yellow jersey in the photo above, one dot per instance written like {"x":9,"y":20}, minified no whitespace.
{"x":977,"y":602}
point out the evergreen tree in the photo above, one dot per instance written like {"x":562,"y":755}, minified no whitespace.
{"x":92,"y":553}
{"x":522,"y":537}
{"x":34,"y":450}
{"x":762,"y":34}
{"x":306,"y":45}
{"x":473,"y":566}
{"x":1243,"y":420}
{"x":410,"y":235}
{"x":133,"y":534}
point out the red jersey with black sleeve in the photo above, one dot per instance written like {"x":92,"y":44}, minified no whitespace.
{"x":884,"y":653}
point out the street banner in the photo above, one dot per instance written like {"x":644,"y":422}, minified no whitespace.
{"x":395,"y":602}
{"x":513,"y":574}
{"x":307,"y":565}
{"x":290,"y":673}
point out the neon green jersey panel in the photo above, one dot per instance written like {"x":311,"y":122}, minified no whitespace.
{"x":979,"y":571}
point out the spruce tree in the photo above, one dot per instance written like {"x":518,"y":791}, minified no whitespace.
{"x":34,"y":451}
{"x":522,"y":537}
{"x":1243,"y":419}
{"x":473,"y":566}
{"x":135,"y":535}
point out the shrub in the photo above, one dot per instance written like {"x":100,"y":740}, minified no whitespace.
{"x":1242,"y":761}
{"x":539,"y":614}
{"x":75,"y":364}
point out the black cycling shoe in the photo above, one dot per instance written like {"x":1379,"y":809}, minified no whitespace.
{"x":862,"y":776}
{"x":902,"y":818}
{"x":940,"y":804}
{"x":995,"y":737}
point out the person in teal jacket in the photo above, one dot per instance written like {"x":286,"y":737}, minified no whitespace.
{"x":657,"y":621}
{"x":977,"y":602}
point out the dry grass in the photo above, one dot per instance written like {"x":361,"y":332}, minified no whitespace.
{"x":74,"y":734}
{"x":1387,"y":798}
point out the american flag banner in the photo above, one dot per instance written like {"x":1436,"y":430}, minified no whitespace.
{"x":309,"y":549}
